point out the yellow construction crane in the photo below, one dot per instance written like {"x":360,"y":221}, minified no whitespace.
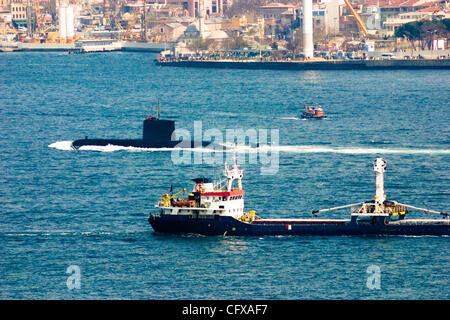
{"x":357,"y":17}
{"x":166,"y":198}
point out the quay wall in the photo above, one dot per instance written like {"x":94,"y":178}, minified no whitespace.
{"x":127,"y":46}
{"x":314,"y":65}
{"x":146,"y":46}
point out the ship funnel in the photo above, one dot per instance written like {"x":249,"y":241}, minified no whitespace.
{"x":379,"y":166}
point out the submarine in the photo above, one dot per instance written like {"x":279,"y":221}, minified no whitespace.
{"x":156,"y":133}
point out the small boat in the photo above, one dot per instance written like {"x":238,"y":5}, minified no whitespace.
{"x":313,"y":112}
{"x":217,"y":208}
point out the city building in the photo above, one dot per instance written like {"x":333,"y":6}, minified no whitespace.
{"x":19,"y":13}
{"x":5,"y":19}
{"x":325,"y":17}
{"x":167,"y":32}
{"x":392,"y":23}
{"x":212,"y":7}
{"x":275,"y":11}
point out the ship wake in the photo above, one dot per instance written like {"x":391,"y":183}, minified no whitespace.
{"x":300,"y":149}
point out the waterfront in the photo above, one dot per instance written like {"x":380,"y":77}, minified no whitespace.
{"x":65,"y":47}
{"x":90,"y":208}
{"x":312,"y":65}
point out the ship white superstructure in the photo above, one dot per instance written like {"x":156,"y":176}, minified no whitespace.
{"x":225,"y":197}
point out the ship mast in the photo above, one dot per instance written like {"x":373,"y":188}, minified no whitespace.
{"x":379,"y":166}
{"x":233,"y":174}
{"x":379,"y":207}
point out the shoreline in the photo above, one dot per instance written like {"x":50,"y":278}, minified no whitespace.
{"x":128,"y":46}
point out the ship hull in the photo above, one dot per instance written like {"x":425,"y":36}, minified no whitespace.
{"x":225,"y":225}
{"x":138,"y":143}
{"x":308,"y":116}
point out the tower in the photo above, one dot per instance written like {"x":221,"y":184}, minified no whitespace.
{"x":308,"y":44}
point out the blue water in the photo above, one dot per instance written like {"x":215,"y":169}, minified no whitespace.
{"x":89,"y":208}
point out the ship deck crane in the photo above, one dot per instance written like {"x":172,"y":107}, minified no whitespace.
{"x":379,"y":206}
{"x":166,"y":198}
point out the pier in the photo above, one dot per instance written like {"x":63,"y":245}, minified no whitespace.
{"x":312,"y":65}
{"x":49,"y":47}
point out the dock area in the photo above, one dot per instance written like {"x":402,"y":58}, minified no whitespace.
{"x":312,"y":65}
{"x":49,"y":47}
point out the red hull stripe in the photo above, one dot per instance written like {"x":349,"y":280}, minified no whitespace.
{"x":298,"y":222}
{"x":224,"y":194}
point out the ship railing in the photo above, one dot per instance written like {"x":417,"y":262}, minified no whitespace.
{"x":367,"y":210}
{"x":371,"y":209}
{"x":249,"y":216}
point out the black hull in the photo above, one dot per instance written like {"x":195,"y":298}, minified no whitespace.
{"x":156,"y":133}
{"x":307,"y":116}
{"x":223,"y":225}
{"x":139,"y":143}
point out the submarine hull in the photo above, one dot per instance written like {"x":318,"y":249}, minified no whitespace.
{"x":156,"y":133}
{"x":138,"y":143}
{"x":226,"y":225}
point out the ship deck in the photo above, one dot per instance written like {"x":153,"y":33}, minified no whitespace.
{"x":420,"y":222}
{"x":301,"y":221}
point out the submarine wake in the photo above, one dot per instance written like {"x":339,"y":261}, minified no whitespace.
{"x":61,"y":145}
{"x":67,"y":146}
{"x":355,"y":150}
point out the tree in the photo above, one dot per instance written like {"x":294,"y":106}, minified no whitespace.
{"x":424,"y":32}
{"x":410,"y":31}
{"x":235,"y":42}
{"x":201,"y":44}
{"x":296,"y":43}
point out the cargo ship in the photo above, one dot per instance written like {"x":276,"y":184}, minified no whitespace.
{"x":313,"y":112}
{"x":217,"y":208}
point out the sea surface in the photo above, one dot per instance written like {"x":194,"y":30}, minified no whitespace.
{"x":73,"y":224}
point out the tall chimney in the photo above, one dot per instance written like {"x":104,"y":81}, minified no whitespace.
{"x":308,"y":45}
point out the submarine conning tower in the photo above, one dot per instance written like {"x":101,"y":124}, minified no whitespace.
{"x":155,"y":129}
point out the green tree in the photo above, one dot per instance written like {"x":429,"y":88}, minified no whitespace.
{"x":424,"y":32}
{"x":410,"y":31}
